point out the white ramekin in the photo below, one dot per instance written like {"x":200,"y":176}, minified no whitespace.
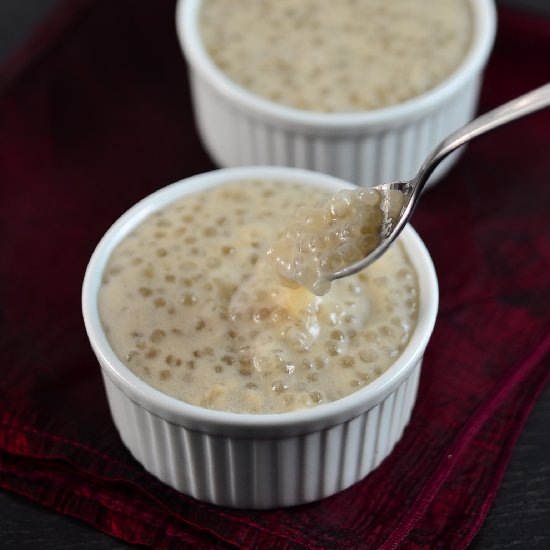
{"x":239,"y":128}
{"x":253,"y":460}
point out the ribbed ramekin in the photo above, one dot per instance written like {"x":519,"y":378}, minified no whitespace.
{"x":254,"y":460}
{"x":239,"y":128}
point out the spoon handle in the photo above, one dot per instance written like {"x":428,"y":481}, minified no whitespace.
{"x":521,"y":106}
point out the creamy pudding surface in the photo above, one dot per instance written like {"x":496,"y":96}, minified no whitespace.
{"x":337,"y":55}
{"x":192,"y":304}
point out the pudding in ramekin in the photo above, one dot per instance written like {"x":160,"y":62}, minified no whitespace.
{"x":280,"y":399}
{"x":367,"y":136}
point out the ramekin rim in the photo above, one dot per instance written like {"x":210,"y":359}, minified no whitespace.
{"x":192,"y":416}
{"x":474,"y":61}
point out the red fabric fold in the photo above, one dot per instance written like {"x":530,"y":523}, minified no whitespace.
{"x":95,"y":114}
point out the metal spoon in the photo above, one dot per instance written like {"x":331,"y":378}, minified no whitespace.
{"x":517,"y":108}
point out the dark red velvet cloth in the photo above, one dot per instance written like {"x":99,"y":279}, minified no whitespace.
{"x":94,"y":115}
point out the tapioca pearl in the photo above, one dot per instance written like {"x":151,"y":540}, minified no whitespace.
{"x":326,"y":316}
{"x":132,"y":355}
{"x":306,"y":365}
{"x":368,"y":355}
{"x":307,"y":276}
{"x":348,"y":232}
{"x":283,"y":364}
{"x":350,"y":253}
{"x":296,"y":339}
{"x":288,"y":399}
{"x":331,"y":238}
{"x":365,"y":376}
{"x":316,"y":397}
{"x":148,"y":272}
{"x":347,"y":362}
{"x":279,"y":386}
{"x":213,"y":394}
{"x":411,"y":305}
{"x":114,"y":270}
{"x":245,"y":354}
{"x":386,"y":331}
{"x":157,"y":335}
{"x":313,"y":219}
{"x":207,"y":351}
{"x":333,"y":348}
{"x":190,"y":364}
{"x":262,"y":314}
{"x":223,"y":315}
{"x":349,"y":318}
{"x":264,"y":364}
{"x":313,"y":377}
{"x":340,"y":205}
{"x":316,"y":244}
{"x":405,"y":274}
{"x":140,"y":344}
{"x":367,"y":196}
{"x":173,"y":361}
{"x":163,"y":222}
{"x":401,"y":323}
{"x":371,"y":336}
{"x":306,"y":401}
{"x":228,"y":359}
{"x":210,"y":231}
{"x":159,"y":302}
{"x":281,"y":315}
{"x":188,"y":298}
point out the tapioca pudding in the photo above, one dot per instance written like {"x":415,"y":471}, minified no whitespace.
{"x":337,"y":56}
{"x":333,"y":234}
{"x":192,"y":305}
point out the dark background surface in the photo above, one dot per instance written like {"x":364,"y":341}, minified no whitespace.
{"x":519,"y":517}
